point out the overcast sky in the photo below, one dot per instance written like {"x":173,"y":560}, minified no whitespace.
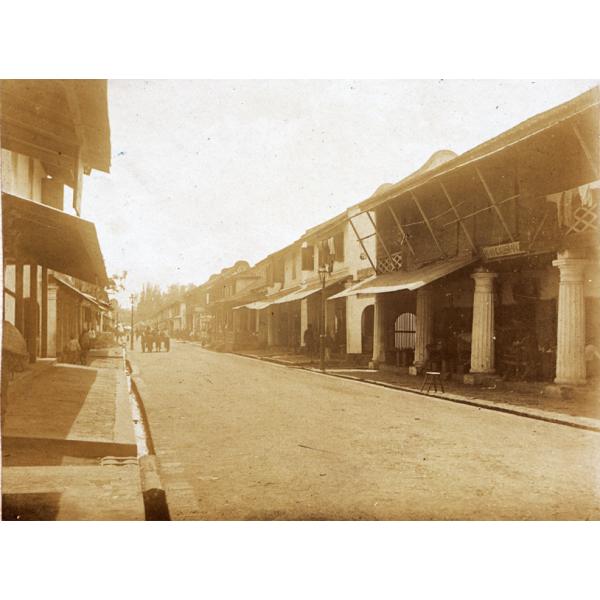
{"x":205,"y":173}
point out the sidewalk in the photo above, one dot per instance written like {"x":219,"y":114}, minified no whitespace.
{"x":521,"y":398}
{"x":68,"y":445}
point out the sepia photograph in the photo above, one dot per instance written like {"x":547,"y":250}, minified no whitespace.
{"x":232,"y":300}
{"x":299,"y":301}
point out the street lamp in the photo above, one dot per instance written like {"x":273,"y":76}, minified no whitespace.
{"x":132,"y":298}
{"x":324,"y":270}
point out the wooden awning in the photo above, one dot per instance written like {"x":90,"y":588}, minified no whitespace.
{"x":51,"y":238}
{"x":80,"y":293}
{"x":407,"y":280}
{"x":309,"y":290}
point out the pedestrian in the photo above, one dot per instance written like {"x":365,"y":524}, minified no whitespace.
{"x":309,"y":339}
{"x":72,"y":350}
{"x":84,"y":346}
{"x":592,"y":359}
{"x":329,"y":343}
{"x":93,"y":336}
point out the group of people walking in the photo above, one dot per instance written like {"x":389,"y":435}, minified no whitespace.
{"x":154,"y":340}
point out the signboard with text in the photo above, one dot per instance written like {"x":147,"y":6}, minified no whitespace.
{"x":501,"y":250}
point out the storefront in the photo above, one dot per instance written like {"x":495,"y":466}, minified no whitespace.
{"x":523,"y":208}
{"x":40,"y":241}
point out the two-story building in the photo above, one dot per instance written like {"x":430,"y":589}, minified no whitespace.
{"x":52,"y":134}
{"x":292,"y":298}
{"x":488,"y":261}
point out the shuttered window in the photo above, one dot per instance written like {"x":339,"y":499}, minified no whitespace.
{"x":338,"y":241}
{"x":308,"y":258}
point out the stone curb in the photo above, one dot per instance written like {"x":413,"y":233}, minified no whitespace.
{"x":155,"y":498}
{"x":586,"y":423}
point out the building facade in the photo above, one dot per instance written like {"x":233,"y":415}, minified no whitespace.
{"x":494,"y":254}
{"x":53,"y":134}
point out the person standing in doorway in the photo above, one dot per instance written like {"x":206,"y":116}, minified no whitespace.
{"x":309,"y":340}
{"x":84,"y":344}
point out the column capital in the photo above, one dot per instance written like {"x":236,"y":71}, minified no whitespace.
{"x":484,"y":280}
{"x":483,"y":275}
{"x":571,"y":269}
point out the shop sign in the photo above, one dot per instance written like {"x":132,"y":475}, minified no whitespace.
{"x":510,"y":249}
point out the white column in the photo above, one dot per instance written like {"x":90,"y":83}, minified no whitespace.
{"x":424,"y":334}
{"x":570,"y":343}
{"x":52,"y":323}
{"x":303,"y":319}
{"x":482,"y":338}
{"x":378,"y":333}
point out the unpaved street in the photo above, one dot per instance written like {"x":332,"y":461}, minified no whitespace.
{"x":244,"y":439}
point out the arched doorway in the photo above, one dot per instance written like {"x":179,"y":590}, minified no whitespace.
{"x":367,"y":324}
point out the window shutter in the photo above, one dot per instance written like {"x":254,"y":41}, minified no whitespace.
{"x":338,"y":240}
{"x":308,"y":258}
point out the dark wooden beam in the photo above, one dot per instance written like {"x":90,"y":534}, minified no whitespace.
{"x":59,"y":173}
{"x":38,"y":140}
{"x":19,"y":306}
{"x":379,"y":236}
{"x":437,"y":243}
{"x":594,"y":163}
{"x":25,"y":105}
{"x":37,"y":126}
{"x":360,"y":241}
{"x":462,"y":224}
{"x":78,"y":184}
{"x":481,"y":210}
{"x":44,"y":314}
{"x":32,"y":316}
{"x":401,"y":229}
{"x":43,"y":154}
{"x":74,"y":109}
{"x":495,"y":205}
{"x":540,"y":226}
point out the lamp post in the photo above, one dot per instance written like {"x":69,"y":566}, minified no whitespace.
{"x":324,"y":270}
{"x":132,"y":298}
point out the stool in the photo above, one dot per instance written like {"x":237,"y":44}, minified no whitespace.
{"x":432,"y":378}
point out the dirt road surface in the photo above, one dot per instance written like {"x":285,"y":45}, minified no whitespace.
{"x":239,"y":438}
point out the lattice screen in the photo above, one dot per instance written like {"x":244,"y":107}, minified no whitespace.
{"x":585,"y":218}
{"x":391,"y":263}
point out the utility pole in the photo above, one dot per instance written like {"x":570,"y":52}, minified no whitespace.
{"x":322,"y":327}
{"x":324,"y":271}
{"x":132,"y":298}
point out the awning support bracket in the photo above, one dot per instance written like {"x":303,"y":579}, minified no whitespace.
{"x":460,"y":221}
{"x":379,"y":236}
{"x":494,"y":205}
{"x":360,"y":241}
{"x":401,"y":229}
{"x":437,"y":243}
{"x":586,"y":150}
